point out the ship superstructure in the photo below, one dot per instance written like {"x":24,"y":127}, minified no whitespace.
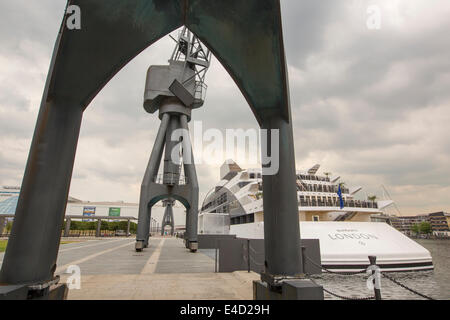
{"x":239,"y":194}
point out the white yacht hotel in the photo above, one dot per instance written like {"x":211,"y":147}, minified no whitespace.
{"x":347,"y":235}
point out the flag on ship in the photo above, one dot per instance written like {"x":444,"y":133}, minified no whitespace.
{"x":341,"y":200}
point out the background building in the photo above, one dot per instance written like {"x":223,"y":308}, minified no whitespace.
{"x":439,"y":221}
{"x":85,"y":209}
{"x":8,"y":203}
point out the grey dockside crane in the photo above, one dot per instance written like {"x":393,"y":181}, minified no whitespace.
{"x":174,"y":90}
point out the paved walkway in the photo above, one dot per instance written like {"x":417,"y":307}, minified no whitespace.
{"x":117,"y":256}
{"x":166,"y":286}
{"x":112,"y":269}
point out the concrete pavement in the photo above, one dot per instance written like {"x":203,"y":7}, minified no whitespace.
{"x":112,"y":269}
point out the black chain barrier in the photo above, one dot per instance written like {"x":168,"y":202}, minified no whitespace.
{"x":335,"y":272}
{"x":407,"y":288}
{"x":361,"y":272}
{"x":345,"y":297}
{"x":352,"y":274}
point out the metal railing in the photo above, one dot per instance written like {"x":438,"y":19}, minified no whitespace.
{"x":171,"y":178}
{"x":350,"y":204}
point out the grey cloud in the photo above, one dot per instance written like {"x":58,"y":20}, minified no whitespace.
{"x":359,"y":100}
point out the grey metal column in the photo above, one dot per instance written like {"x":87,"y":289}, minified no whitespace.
{"x":67,"y":228}
{"x":150,"y":173}
{"x":33,"y":245}
{"x":146,"y":228}
{"x":168,"y":217}
{"x":99,"y":226}
{"x":128,"y":227}
{"x":171,"y":174}
{"x":191,"y":175}
{"x":281,"y":223}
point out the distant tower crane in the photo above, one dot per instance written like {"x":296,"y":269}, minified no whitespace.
{"x":174,"y":90}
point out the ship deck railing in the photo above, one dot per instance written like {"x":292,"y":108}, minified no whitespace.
{"x":349,"y":204}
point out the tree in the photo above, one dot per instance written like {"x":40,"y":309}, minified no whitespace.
{"x":104,"y":225}
{"x":372,"y":198}
{"x":415,"y":228}
{"x":133,"y":227}
{"x":425,"y":227}
{"x":8,"y":226}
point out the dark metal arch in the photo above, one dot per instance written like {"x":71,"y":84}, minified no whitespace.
{"x":114,"y":32}
{"x":245,"y":36}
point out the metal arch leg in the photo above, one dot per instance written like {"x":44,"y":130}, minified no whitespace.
{"x":281,"y":226}
{"x":143,"y":229}
{"x":143,"y":226}
{"x":168,"y":217}
{"x":147,"y":226}
{"x":35,"y":237}
{"x":191,"y":229}
{"x":191,"y":236}
{"x":164,"y":221}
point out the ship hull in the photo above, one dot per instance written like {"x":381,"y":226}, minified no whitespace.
{"x":345,"y":246}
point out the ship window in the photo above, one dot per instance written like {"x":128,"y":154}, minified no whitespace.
{"x":315,"y":218}
{"x":243,"y":184}
{"x":252,"y":176}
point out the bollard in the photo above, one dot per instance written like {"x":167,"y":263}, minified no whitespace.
{"x":377,"y":291}
{"x":215,"y":260}
{"x":248,"y":255}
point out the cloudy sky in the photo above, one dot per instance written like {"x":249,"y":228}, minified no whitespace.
{"x":370,"y":105}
